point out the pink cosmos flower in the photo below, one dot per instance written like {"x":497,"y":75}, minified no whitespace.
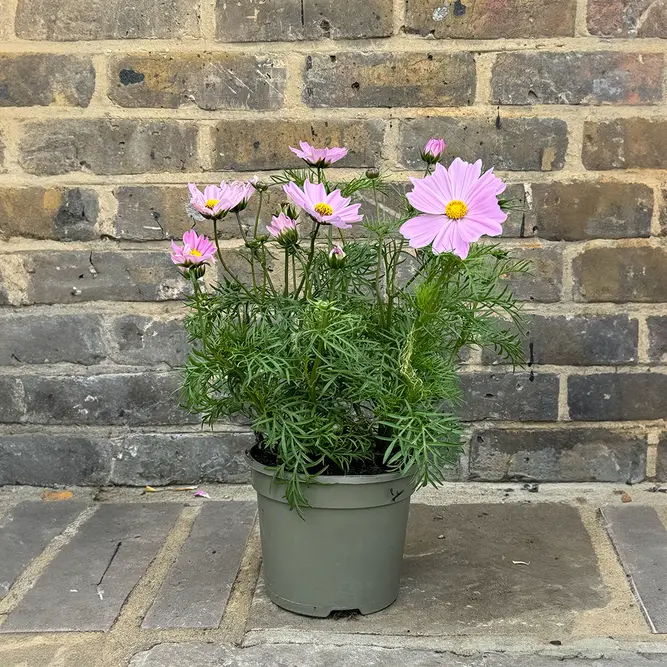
{"x":318,"y":157}
{"x":280,"y":224}
{"x":211,"y":203}
{"x":459,"y":205}
{"x":433,"y":150}
{"x":237,"y":193}
{"x":196,"y":250}
{"x":328,"y":209}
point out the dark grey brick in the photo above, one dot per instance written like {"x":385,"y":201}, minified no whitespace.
{"x":42,"y":79}
{"x":210,"y":81}
{"x":138,"y":339}
{"x":617,"y":396}
{"x":603,"y":77}
{"x":661,"y":466}
{"x":389,"y":80}
{"x":560,"y":455}
{"x":513,"y":396}
{"x":11,"y":399}
{"x":583,"y":210}
{"x":63,"y":214}
{"x":544,"y":282}
{"x":48,"y":459}
{"x":160,"y":459}
{"x":621,"y":275}
{"x":196,"y":590}
{"x":40,"y":337}
{"x":24,"y":533}
{"x":501,"y":144}
{"x":627,"y":18}
{"x":71,"y":277}
{"x":108,"y":146}
{"x":69,"y":20}
{"x":578,"y":340}
{"x":132,"y":399}
{"x":657,"y":338}
{"x":262,"y":144}
{"x":102,"y":563}
{"x":288,"y":20}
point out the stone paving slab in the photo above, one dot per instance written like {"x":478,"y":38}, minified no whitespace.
{"x":196,"y":590}
{"x":26,"y":530}
{"x":483,"y":569}
{"x":84,"y":587}
{"x":640,"y":540}
{"x":308,"y":655}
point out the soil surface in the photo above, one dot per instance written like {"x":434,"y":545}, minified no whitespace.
{"x":358,"y":467}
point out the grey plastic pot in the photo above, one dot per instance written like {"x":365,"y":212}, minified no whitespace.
{"x":347,"y":550}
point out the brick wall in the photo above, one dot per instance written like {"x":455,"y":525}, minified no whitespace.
{"x":108,"y":109}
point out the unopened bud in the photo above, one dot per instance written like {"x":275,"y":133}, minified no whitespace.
{"x":336,"y":257}
{"x":373,"y":173}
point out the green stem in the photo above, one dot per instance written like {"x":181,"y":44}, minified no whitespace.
{"x":293,"y":272}
{"x":222,"y":261}
{"x":238,"y":219}
{"x":378,"y":290}
{"x":311,"y":255}
{"x":377,"y":207}
{"x":286,"y":285}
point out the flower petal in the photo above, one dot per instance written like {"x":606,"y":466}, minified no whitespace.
{"x":421,"y":230}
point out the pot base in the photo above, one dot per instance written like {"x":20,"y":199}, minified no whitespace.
{"x":324,"y":611}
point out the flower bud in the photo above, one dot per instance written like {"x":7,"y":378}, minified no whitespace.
{"x":433,"y":150}
{"x":373,"y":173}
{"x":289,"y":210}
{"x":260,"y":186}
{"x":336,"y":258}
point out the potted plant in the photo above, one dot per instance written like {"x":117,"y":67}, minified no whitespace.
{"x":342,"y":349}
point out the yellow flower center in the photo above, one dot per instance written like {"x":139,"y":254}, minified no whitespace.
{"x":211,"y":203}
{"x":456,"y":209}
{"x":196,"y":253}
{"x":323,"y":209}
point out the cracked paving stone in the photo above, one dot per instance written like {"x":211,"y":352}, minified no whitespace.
{"x":479,"y":569}
{"x":308,"y":655}
{"x":86,"y":584}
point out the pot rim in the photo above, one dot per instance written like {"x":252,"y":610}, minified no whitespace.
{"x":333,"y":479}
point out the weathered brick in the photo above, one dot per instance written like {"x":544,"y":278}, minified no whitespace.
{"x":40,"y":337}
{"x":544,"y":282}
{"x":661,"y":465}
{"x":663,"y":210}
{"x":578,"y":78}
{"x":181,"y":458}
{"x":132,"y":399}
{"x":617,"y":396}
{"x":2,"y":154}
{"x":43,"y":79}
{"x":490,"y":19}
{"x":520,"y":221}
{"x":105,"y":146}
{"x":69,"y":20}
{"x":63,"y":214}
{"x":627,"y":18}
{"x":51,"y":459}
{"x":152,"y":212}
{"x":562,"y":455}
{"x":657,"y":338}
{"x":501,"y":146}
{"x":513,"y":396}
{"x":620,"y":275}
{"x":288,"y":20}
{"x":11,"y":399}
{"x":70,"y":277}
{"x":138,"y":339}
{"x":210,"y":81}
{"x":254,"y":144}
{"x":625,"y":143}
{"x":578,"y":340}
{"x":582,"y":210}
{"x":389,"y":80}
